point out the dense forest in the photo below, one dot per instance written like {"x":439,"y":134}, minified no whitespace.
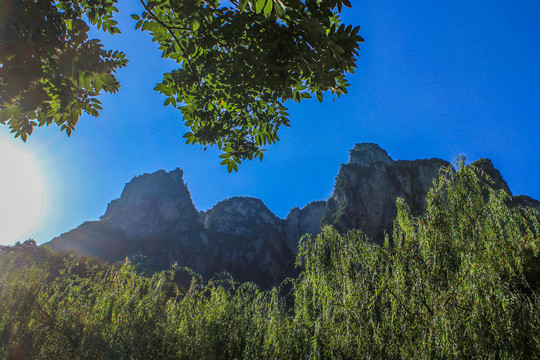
{"x":460,"y":281}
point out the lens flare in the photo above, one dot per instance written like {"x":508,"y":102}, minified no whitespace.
{"x":21,"y":193}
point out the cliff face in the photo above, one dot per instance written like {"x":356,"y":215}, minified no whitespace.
{"x":251,"y":240}
{"x":155,"y":219}
{"x":367,"y":188}
{"x":152,"y":203}
{"x":303,"y":221}
{"x":156,"y":222}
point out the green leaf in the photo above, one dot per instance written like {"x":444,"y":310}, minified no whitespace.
{"x":243,"y":4}
{"x":88,"y":81}
{"x":81,"y":79}
{"x":259,"y":5}
{"x":97,"y":83}
{"x":194,"y":24}
{"x":268,"y":7}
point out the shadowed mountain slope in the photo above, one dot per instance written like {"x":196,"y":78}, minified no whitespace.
{"x":155,"y":220}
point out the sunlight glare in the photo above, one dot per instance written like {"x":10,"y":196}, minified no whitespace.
{"x":21,"y":193}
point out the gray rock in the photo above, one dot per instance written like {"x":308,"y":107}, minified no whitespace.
{"x":303,"y":221}
{"x":487,"y":167}
{"x":155,"y":218}
{"x":367,"y":187}
{"x":150,"y":203}
{"x":366,"y":154}
{"x":240,"y":216}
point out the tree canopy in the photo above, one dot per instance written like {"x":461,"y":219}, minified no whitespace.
{"x":238,"y":61}
{"x":50,"y":71}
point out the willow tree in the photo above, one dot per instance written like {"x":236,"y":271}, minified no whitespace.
{"x":456,"y":282}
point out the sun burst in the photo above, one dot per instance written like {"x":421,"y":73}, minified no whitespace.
{"x":21,"y":193}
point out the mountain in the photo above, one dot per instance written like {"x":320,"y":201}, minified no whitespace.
{"x":155,"y":221}
{"x":368,"y":185}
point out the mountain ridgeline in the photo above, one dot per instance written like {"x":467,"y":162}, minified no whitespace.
{"x":156,"y":222}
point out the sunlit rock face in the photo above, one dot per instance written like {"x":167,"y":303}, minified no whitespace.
{"x":368,"y":185}
{"x":303,"y":221}
{"x":366,"y":154}
{"x":152,"y":203}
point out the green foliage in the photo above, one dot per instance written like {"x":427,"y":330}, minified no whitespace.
{"x":50,"y":72}
{"x":239,"y":64}
{"x":452,"y":283}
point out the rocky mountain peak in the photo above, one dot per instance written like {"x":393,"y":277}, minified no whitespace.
{"x":487,"y":166}
{"x":152,"y":203}
{"x":155,"y":217}
{"x":367,"y":187}
{"x":239,"y":216}
{"x":365,"y":154}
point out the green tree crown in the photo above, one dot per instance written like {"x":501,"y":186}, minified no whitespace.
{"x":239,"y":62}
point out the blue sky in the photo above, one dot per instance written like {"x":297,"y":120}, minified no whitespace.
{"x":434,"y":79}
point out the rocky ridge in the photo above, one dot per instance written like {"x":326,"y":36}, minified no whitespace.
{"x":368,"y":185}
{"x":156,"y":222}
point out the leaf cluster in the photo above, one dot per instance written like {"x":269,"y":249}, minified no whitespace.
{"x":50,"y":71}
{"x":239,"y":64}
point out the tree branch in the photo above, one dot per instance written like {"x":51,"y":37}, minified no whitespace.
{"x":170,"y":30}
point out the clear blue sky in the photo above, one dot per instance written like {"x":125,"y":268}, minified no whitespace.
{"x":434,"y":79}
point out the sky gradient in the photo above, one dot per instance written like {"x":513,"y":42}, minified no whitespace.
{"x":434,"y":79}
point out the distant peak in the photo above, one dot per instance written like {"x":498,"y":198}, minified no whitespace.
{"x":176,"y":174}
{"x":487,"y":166}
{"x":237,"y":202}
{"x":156,"y":182}
{"x":150,"y":203}
{"x":365,"y":154}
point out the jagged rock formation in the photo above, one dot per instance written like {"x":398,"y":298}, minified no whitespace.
{"x":251,"y":237}
{"x":303,"y":221}
{"x":498,"y":183}
{"x":152,"y":203}
{"x":156,"y":222}
{"x":367,"y":188}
